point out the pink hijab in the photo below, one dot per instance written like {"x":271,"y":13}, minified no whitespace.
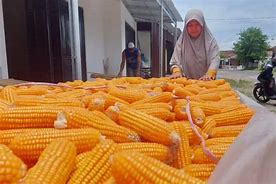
{"x":196,"y":56}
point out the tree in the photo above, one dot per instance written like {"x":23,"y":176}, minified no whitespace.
{"x":251,"y":46}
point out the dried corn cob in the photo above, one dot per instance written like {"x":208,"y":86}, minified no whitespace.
{"x":133,"y":167}
{"x":193,"y":139}
{"x":209,"y":97}
{"x":28,"y":117}
{"x":208,"y":125}
{"x":111,"y":130}
{"x":161,"y":113}
{"x":219,"y":140}
{"x":7,"y":135}
{"x":207,"y":85}
{"x":29,"y":145}
{"x":235,"y":117}
{"x":198,"y":115}
{"x":111,"y":180}
{"x":154,"y":150}
{"x":162,"y":97}
{"x":180,"y":111}
{"x":218,"y":150}
{"x":9,"y":94}
{"x":4,"y":104}
{"x":183,"y":155}
{"x":151,"y":106}
{"x":97,"y":104}
{"x":182,"y":92}
{"x":201,"y":171}
{"x":192,"y":89}
{"x":128,"y":95}
{"x":149,"y":127}
{"x":12,"y":169}
{"x":227,"y":131}
{"x":32,"y":91}
{"x":94,"y":167}
{"x":82,"y":119}
{"x":54,"y":165}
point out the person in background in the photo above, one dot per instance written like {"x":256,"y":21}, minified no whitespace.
{"x":132,"y":57}
{"x":196,"y":54}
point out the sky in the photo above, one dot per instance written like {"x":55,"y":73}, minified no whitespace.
{"x":227,"y":18}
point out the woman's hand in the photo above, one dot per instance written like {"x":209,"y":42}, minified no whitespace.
{"x":176,"y":75}
{"x":206,"y":78}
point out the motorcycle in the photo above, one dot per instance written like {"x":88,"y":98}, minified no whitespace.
{"x":265,"y":89}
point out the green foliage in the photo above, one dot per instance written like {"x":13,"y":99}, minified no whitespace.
{"x":251,"y":46}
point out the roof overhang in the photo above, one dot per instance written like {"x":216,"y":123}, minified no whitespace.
{"x":149,"y":10}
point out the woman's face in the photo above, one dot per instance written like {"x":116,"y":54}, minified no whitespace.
{"x":194,"y":29}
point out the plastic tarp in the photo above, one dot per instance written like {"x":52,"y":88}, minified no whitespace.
{"x":251,"y":159}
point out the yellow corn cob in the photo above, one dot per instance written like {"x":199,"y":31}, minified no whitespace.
{"x":218,"y":82}
{"x":180,"y":111}
{"x":28,"y":100}
{"x":134,"y":167}
{"x":9,"y":94}
{"x":111,"y":180}
{"x":218,"y":150}
{"x":207,"y":85}
{"x":75,"y":93}
{"x":193,"y":139}
{"x":95,"y":166}
{"x":39,"y":101}
{"x":80,"y":118}
{"x":224,"y":94}
{"x":235,"y":117}
{"x":28,"y":117}
{"x":184,"y":81}
{"x":201,"y":171}
{"x":208,"y":97}
{"x":169,"y":87}
{"x":164,"y":97}
{"x":208,"y":108}
{"x":182,"y":92}
{"x":4,"y":104}
{"x":111,"y":100}
{"x":32,"y":91}
{"x":97,"y":104}
{"x":112,"y":130}
{"x":161,"y":113}
{"x":12,"y":169}
{"x":134,"y":80}
{"x":7,"y":135}
{"x":198,"y":115}
{"x":227,"y":131}
{"x":29,"y":145}
{"x":208,"y":125}
{"x":128,"y":95}
{"x":149,"y":127}
{"x":233,"y":108}
{"x":214,"y":90}
{"x":151,"y":106}
{"x":219,"y":140}
{"x":183,"y":155}
{"x":154,"y":150}
{"x":192,"y":89}
{"x":54,"y":165}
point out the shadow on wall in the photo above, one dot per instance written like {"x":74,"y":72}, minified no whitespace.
{"x":105,"y":65}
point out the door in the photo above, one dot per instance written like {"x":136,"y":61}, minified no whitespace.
{"x":82,"y":44}
{"x":130,"y":34}
{"x":65,"y":42}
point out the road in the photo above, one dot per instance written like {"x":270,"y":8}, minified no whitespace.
{"x":246,"y":75}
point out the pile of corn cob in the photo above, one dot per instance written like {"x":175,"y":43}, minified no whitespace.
{"x":124,"y":130}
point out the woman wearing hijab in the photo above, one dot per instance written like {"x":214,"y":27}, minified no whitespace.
{"x":196,"y":54}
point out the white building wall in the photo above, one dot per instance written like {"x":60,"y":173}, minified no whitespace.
{"x":94,"y":34}
{"x":3,"y":55}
